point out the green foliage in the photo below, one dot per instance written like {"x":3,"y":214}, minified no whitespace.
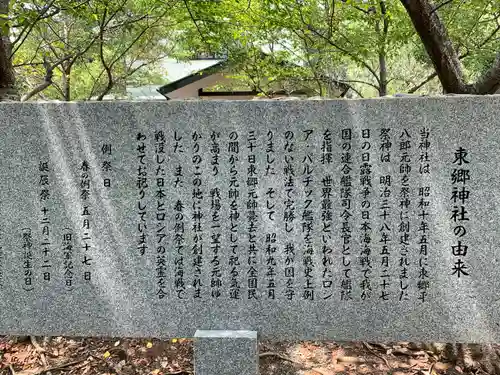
{"x":92,"y":48}
{"x":97,"y":47}
{"x":341,"y":40}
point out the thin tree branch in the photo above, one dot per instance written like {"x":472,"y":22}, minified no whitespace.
{"x":127,"y":23}
{"x":104,"y":24}
{"x":331,"y":18}
{"x":361,"y":82}
{"x":355,"y":90}
{"x":314,"y":72}
{"x":29,"y":29}
{"x":422,"y":84}
{"x":35,"y":54}
{"x":108,"y":68}
{"x":490,"y":37}
{"x":49,"y":74}
{"x":358,"y":8}
{"x":341,"y":49}
{"x":342,"y":82}
{"x":348,"y":53}
{"x":441,"y":5}
{"x":55,"y":13}
{"x":27,"y":64}
{"x":483,"y":12}
{"x":197,"y":27}
{"x":136,"y":39}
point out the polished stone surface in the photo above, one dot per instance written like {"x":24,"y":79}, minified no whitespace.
{"x":116,"y":242}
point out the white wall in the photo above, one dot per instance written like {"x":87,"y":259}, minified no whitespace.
{"x":191,"y":90}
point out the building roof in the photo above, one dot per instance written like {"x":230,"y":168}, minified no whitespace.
{"x":212,"y":67}
{"x":195,"y":70}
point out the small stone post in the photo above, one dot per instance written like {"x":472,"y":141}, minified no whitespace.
{"x":226,"y":353}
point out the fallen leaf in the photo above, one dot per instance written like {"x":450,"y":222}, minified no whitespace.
{"x":17,"y":357}
{"x":305,"y":352}
{"x":339,"y":367}
{"x":340,"y":352}
{"x":323,"y":371}
{"x":33,"y":371}
{"x":441,"y":366}
{"x":363,"y":369}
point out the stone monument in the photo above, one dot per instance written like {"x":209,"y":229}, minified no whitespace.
{"x":351,"y":220}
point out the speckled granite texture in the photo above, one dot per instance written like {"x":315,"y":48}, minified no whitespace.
{"x":226,"y":353}
{"x":290,"y":249}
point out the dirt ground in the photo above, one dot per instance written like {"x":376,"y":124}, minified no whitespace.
{"x":92,"y":356}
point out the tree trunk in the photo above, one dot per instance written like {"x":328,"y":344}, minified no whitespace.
{"x":7,"y":89}
{"x":382,"y":54}
{"x":489,"y":83}
{"x":382,"y":90}
{"x":66,"y":85}
{"x":435,"y":38}
{"x":66,"y":66}
{"x":446,"y":60}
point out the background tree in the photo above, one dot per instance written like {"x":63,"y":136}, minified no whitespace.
{"x":445,"y":53}
{"x":6,"y":71}
{"x":370,"y":45}
{"x":88,"y":49}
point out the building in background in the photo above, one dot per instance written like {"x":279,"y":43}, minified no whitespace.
{"x":213,"y":79}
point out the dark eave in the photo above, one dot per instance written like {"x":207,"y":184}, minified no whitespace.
{"x":202,"y":93}
{"x":196,"y":76}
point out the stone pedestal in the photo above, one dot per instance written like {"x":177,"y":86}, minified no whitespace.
{"x":226,"y":353}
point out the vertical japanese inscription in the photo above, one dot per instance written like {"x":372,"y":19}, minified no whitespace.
{"x":346,"y":197}
{"x":86,"y":220}
{"x":45,"y":244}
{"x":161,"y":215}
{"x":460,"y":195}
{"x":68,"y":259}
{"x":27,"y":246}
{"x":252,"y":216}
{"x":289,"y":214}
{"x":180,"y":221}
{"x":106,"y":166}
{"x":327,"y":223}
{"x":142,"y":188}
{"x":233,"y":148}
{"x":424,"y":193}
{"x":198,"y":194}
{"x":216,"y":282}
{"x":307,"y":222}
{"x":365,"y":180}
{"x":405,"y":146}
{"x":385,"y":212}
{"x":271,"y":246}
{"x":245,"y":214}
